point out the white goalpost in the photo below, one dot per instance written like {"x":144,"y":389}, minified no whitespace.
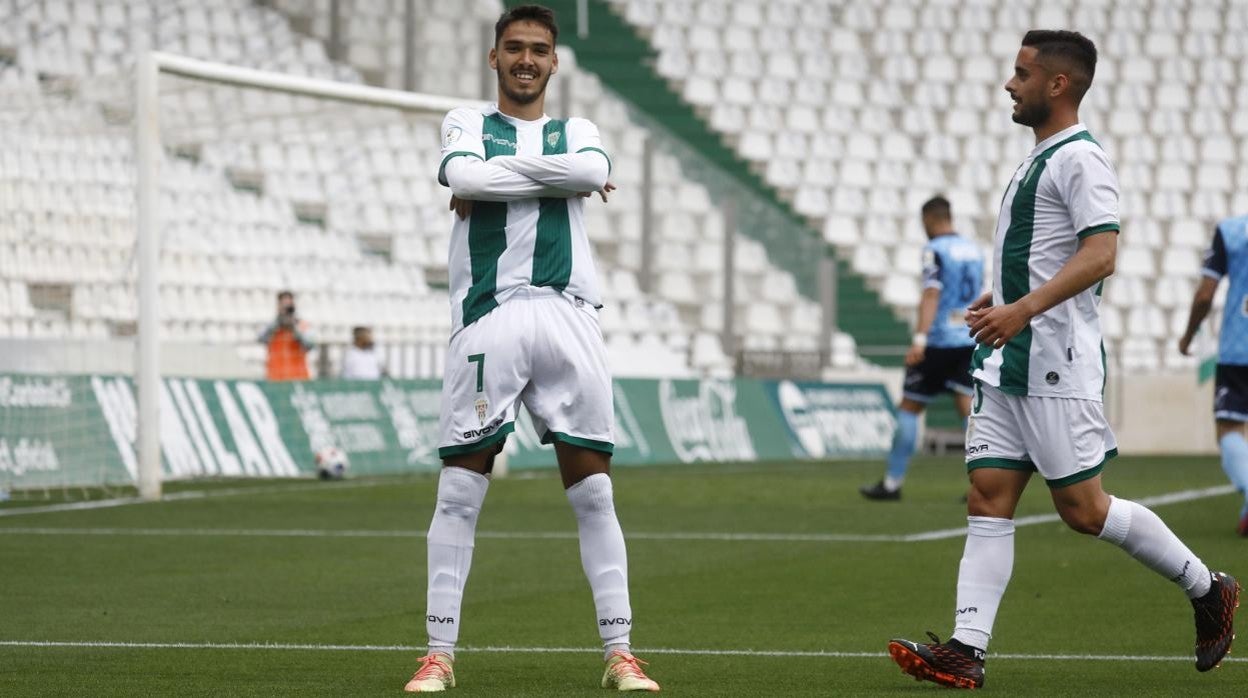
{"x":149,"y":154}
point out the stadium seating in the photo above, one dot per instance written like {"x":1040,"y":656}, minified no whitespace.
{"x":689,"y":228}
{"x":854,"y":112}
{"x":68,"y":169}
{"x":919,"y":84}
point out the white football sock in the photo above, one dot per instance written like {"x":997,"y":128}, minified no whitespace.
{"x":604,"y":558}
{"x":450,"y":542}
{"x":987,"y":563}
{"x":1145,"y":537}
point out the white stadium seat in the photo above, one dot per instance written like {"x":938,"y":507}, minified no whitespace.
{"x":1136,"y":262}
{"x":901,"y":291}
{"x":841,"y":231}
{"x":811,"y":201}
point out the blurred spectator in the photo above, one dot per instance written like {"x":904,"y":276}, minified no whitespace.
{"x":362,"y":362}
{"x":287,"y":342}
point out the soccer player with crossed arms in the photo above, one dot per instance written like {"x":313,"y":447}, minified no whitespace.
{"x":1039,"y":375}
{"x":524,"y":310}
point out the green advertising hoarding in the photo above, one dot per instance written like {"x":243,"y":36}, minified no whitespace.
{"x":53,"y":433}
{"x":59,"y":431}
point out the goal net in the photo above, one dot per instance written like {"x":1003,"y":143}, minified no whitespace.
{"x":182,"y":199}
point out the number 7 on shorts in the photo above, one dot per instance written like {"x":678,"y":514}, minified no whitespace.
{"x":479,"y":360}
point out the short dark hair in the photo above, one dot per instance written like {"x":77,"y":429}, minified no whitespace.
{"x":939,"y":207}
{"x":285,"y":294}
{"x":1066,"y":52}
{"x":360,"y":329}
{"x":530,"y":13}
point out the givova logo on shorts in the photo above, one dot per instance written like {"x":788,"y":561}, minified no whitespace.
{"x":485,"y":430}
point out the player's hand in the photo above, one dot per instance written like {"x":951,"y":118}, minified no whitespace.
{"x":606,"y":189}
{"x":979,"y":304}
{"x":915,"y":354}
{"x":1185,"y":344}
{"x":999,"y":324}
{"x":461,"y":207}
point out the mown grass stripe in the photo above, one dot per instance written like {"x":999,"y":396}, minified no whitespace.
{"x":833,"y":654}
{"x":724,"y":536}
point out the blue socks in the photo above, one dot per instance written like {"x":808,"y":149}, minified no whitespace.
{"x":904,"y":442}
{"x":1235,"y":459}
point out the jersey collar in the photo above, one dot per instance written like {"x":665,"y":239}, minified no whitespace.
{"x":1058,"y":137}
{"x":513,"y":120}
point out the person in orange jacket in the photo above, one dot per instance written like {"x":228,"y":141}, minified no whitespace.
{"x":287,"y":341}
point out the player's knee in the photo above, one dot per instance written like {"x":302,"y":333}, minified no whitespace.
{"x":977,"y":502}
{"x":989,"y":499}
{"x":1083,"y":519}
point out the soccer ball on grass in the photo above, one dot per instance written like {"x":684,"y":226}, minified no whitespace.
{"x":332,"y":463}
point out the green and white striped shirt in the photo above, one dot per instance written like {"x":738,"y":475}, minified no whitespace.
{"x":1064,"y":191}
{"x":527,"y":226}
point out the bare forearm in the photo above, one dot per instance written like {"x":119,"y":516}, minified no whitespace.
{"x":578,"y":172}
{"x":927,"y":310}
{"x":1091,"y":264}
{"x":1200,"y":310}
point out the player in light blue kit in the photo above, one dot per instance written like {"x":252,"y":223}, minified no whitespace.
{"x":1228,"y":256}
{"x":939,"y":358}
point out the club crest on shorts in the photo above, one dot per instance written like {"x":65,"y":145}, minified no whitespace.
{"x":483,"y":406}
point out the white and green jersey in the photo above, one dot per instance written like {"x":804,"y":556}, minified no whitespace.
{"x":527,"y":226}
{"x":1064,"y":191}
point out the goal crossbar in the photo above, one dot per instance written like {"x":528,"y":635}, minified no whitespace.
{"x":148,"y":68}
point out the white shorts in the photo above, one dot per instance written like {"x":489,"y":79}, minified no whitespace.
{"x":541,"y":348}
{"x":1066,"y":440}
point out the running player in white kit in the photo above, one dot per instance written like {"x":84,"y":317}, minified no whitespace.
{"x":1039,"y":373}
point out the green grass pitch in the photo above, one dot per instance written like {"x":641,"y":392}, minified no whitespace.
{"x":180,"y":572}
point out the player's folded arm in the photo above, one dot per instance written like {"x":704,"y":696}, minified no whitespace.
{"x":580,"y":172}
{"x":472,"y":179}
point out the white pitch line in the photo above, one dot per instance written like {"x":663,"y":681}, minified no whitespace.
{"x":190,"y":495}
{"x":503,"y":535}
{"x":939,"y":534}
{"x":72,"y":506}
{"x":832,"y":654}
